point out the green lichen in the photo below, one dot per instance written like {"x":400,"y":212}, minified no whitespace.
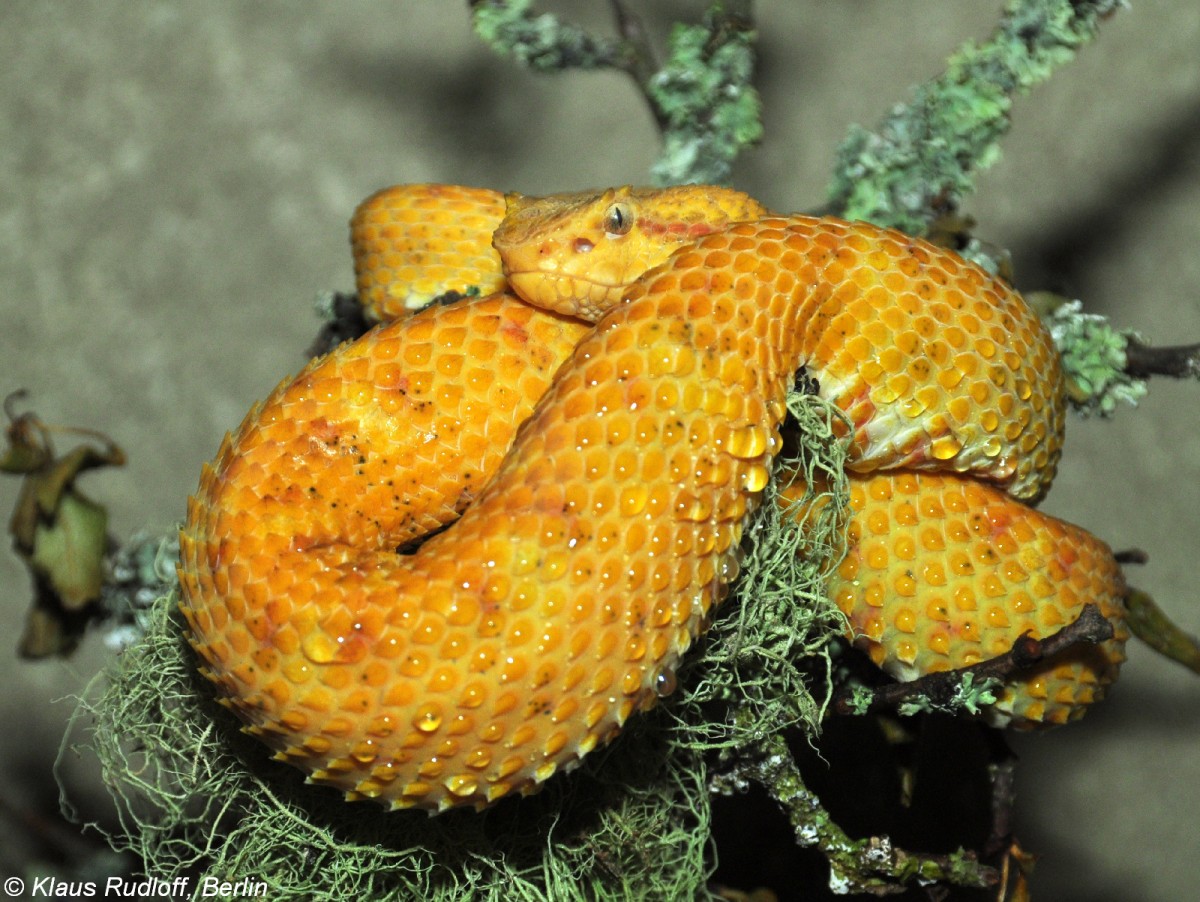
{"x":707,"y":103}
{"x":970,"y":696}
{"x":759,"y":655}
{"x":859,"y":701}
{"x":542,"y":42}
{"x":1093,"y":360}
{"x":139,"y":572}
{"x":922,"y":158}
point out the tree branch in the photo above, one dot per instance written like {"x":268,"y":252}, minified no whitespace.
{"x":917,"y":164}
{"x":871,"y":865}
{"x":968,"y":687}
{"x":1105,"y":365}
{"x":1151,"y":624}
{"x":542,"y":42}
{"x":1179,"y":361}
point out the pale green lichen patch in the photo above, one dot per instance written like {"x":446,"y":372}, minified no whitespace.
{"x":542,"y":42}
{"x":970,"y":696}
{"x":709,"y":107}
{"x":703,"y":97}
{"x":1093,"y":360}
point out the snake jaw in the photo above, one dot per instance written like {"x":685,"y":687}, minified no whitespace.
{"x":583,"y":274}
{"x":566,"y":293}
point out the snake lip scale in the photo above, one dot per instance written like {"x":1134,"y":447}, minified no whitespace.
{"x":593,"y":294}
{"x":601,"y":477}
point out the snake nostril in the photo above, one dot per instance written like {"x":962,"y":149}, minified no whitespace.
{"x":583,"y":245}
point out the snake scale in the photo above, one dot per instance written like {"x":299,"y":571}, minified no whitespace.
{"x":597,"y":479}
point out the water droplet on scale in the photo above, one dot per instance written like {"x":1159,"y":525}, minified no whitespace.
{"x":462,"y":786}
{"x":428,"y":719}
{"x":319,"y":648}
{"x":747,"y":442}
{"x":756,"y":478}
{"x":694,"y":508}
{"x":665,"y":683}
{"x":633,"y":499}
{"x":364,"y":752}
{"x":945,"y":447}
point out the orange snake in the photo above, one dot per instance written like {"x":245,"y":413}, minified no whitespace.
{"x":604,"y":474}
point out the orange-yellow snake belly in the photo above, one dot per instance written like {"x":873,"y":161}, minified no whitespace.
{"x":604,"y":475}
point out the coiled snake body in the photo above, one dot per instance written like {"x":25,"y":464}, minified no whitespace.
{"x":603,"y":475}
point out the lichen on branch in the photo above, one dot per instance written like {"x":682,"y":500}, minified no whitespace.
{"x":542,"y":42}
{"x":921,"y":159}
{"x":706,"y":100}
{"x":702,"y":98}
{"x":872,"y":865}
{"x":1094,"y":360}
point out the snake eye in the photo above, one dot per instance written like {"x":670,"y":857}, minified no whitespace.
{"x":618,"y":220}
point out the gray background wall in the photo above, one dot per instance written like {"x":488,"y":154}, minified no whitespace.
{"x":175,"y":179}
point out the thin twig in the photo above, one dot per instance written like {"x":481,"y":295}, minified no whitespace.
{"x":1179,"y":361}
{"x":1003,"y":774}
{"x":1131,"y":556}
{"x":1152,"y":625}
{"x":638,"y":59}
{"x":940,"y":689}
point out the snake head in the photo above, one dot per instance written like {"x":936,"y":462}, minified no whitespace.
{"x":579,"y":253}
